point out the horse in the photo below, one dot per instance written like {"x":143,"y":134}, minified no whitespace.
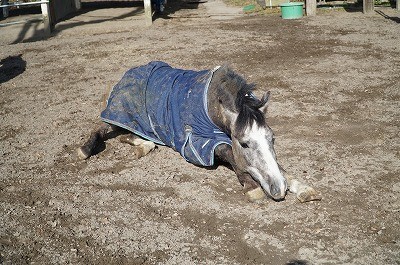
{"x":208,"y":116}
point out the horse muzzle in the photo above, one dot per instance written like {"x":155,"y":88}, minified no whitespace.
{"x":275,"y":187}
{"x":278,"y":190}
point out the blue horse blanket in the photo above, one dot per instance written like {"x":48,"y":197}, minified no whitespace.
{"x":167,"y":106}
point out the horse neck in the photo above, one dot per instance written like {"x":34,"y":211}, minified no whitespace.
{"x":221,"y":102}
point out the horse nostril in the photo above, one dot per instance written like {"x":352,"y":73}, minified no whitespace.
{"x":274,"y":190}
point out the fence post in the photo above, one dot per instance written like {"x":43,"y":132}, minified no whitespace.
{"x":46,"y":18}
{"x":147,"y":12}
{"x":368,"y":6}
{"x":311,"y":7}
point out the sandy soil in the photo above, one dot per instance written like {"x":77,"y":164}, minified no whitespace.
{"x":335,"y":109}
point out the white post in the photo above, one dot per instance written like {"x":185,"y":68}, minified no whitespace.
{"x":311,"y":7}
{"x":147,"y":12}
{"x":368,"y":6}
{"x":397,"y":4}
{"x":78,"y":4}
{"x":46,"y":18}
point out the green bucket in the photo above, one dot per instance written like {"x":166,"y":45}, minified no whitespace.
{"x":292,"y":10}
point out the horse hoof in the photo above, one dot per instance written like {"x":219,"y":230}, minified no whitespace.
{"x":138,"y":153}
{"x":131,"y":139}
{"x":308,"y":194}
{"x":143,"y":149}
{"x":82,"y":153}
{"x":255,"y":194}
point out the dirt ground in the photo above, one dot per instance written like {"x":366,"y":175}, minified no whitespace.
{"x":335,"y":110}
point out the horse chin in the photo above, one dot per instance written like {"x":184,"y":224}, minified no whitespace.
{"x":278,"y":198}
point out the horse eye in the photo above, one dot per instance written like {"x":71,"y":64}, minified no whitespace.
{"x":244,"y":145}
{"x":272,"y":140}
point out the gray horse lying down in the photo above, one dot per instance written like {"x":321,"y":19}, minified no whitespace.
{"x":206,"y":116}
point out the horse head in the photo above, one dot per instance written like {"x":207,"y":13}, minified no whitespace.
{"x":243,"y":117}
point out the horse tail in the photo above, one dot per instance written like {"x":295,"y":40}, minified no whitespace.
{"x":105,"y":96}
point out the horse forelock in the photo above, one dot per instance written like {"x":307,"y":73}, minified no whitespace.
{"x":248,"y":107}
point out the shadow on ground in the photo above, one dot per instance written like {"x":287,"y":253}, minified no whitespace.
{"x":11,"y":67}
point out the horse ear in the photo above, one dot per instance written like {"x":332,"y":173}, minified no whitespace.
{"x":264,"y":101}
{"x":222,"y":70}
{"x":224,"y":67}
{"x":219,"y":74}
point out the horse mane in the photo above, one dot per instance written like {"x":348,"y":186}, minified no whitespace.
{"x":248,"y":105}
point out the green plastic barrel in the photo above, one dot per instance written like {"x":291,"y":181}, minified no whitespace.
{"x":292,"y":10}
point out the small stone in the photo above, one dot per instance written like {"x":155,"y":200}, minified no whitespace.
{"x":11,"y":188}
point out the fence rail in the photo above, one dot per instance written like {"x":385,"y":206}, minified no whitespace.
{"x":25,"y":4}
{"x":44,"y":5}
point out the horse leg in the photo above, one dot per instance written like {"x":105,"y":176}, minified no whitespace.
{"x":304,"y":193}
{"x":86,"y":150}
{"x":250,"y":187}
{"x":141,"y":147}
